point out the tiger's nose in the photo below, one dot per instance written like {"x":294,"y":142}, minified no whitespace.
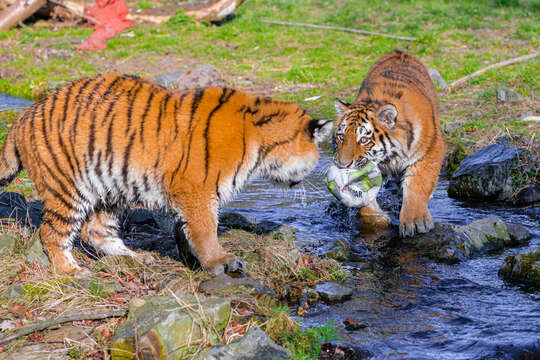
{"x":342,"y":165}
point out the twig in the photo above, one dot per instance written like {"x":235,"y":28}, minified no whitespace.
{"x":48,"y":323}
{"x":460,"y":81}
{"x":74,"y":10}
{"x":338,"y":28}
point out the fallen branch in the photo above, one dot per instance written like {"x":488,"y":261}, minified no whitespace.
{"x":73,"y":317}
{"x":75,"y":9}
{"x":338,"y":28}
{"x":462,"y":80}
{"x":18,"y":12}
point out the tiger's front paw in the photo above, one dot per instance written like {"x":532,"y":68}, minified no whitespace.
{"x":372,"y":219}
{"x":226,"y":263}
{"x":414,"y":223}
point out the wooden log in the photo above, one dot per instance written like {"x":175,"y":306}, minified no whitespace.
{"x":18,"y":12}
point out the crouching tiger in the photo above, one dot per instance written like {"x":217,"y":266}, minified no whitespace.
{"x":394,"y":122}
{"x":111,"y":141}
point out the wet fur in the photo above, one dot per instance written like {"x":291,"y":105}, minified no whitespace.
{"x":394,"y":122}
{"x":111,"y":141}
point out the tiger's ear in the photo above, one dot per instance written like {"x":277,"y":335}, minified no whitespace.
{"x":387,"y":115}
{"x":340,"y":107}
{"x":319,"y":130}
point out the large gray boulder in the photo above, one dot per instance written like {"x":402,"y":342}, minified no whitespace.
{"x":454,"y":243}
{"x":484,"y":174}
{"x":255,"y":344}
{"x":333,"y":292}
{"x":163,"y":327}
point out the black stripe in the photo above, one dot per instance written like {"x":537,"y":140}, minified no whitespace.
{"x":217,"y":185}
{"x":127,"y":154}
{"x":53,"y":99}
{"x":73,"y":134}
{"x":265,"y":119}
{"x":162,"y":109}
{"x":224,"y":98}
{"x":145,"y":113}
{"x":132,"y":97}
{"x":197,"y":98}
{"x":243,"y":155}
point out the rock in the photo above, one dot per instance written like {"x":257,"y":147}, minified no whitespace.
{"x":7,"y":243}
{"x":255,"y":344}
{"x":455,"y":243}
{"x":39,"y":351}
{"x":507,"y":95}
{"x":97,"y":287}
{"x":476,"y":114}
{"x":527,"y":196}
{"x":13,"y":206}
{"x":333,"y":292}
{"x":225,"y":285}
{"x":340,"y":251}
{"x":201,"y":77}
{"x":35,"y":253}
{"x":518,"y":233}
{"x":353,"y":324}
{"x":523,"y":268}
{"x":437,"y":78}
{"x":285,"y":233}
{"x":343,"y":351}
{"x":234,"y":220}
{"x":163,"y":326}
{"x":15,"y":291}
{"x":484,"y":174}
{"x":168,"y":79}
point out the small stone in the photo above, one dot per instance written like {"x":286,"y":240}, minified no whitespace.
{"x":477,"y":114}
{"x":168,"y":79}
{"x":234,"y":220}
{"x":437,"y":78}
{"x":7,"y":243}
{"x":527,"y":196}
{"x":339,"y":251}
{"x":35,"y":253}
{"x":518,"y":233}
{"x":523,"y":268}
{"x":15,"y":291}
{"x":507,"y":95}
{"x":201,"y":77}
{"x":333,"y":292}
{"x":353,"y":324}
{"x":255,"y":344}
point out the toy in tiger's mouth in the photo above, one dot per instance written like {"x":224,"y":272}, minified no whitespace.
{"x":354,"y":187}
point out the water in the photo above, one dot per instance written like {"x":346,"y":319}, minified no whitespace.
{"x":414,"y":308}
{"x":9,"y":102}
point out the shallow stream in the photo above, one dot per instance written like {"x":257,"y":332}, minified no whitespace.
{"x":414,"y":308}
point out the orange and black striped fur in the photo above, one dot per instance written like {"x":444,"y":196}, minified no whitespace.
{"x":112,"y":141}
{"x":394,"y":122}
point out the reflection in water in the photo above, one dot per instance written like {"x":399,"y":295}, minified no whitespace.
{"x":414,"y":308}
{"x":10,"y":102}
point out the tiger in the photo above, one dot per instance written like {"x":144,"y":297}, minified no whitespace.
{"x":107,"y":142}
{"x":394,"y":123}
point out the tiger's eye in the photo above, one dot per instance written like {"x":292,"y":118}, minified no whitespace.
{"x":364,"y":140}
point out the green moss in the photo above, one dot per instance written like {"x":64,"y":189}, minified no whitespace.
{"x":305,"y":344}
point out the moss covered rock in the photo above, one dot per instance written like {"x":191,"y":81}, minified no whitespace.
{"x":523,"y":268}
{"x":163,"y":327}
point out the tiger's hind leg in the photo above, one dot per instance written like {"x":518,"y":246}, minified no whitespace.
{"x":101,"y":230}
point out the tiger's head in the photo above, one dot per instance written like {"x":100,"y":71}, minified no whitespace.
{"x":363,"y":133}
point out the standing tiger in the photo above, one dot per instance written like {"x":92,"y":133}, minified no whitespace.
{"x":110,"y":141}
{"x":394,"y":123}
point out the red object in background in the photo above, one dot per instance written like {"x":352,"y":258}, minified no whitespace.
{"x":111,"y":15}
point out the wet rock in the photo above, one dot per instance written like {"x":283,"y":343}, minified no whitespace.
{"x":343,"y":351}
{"x":484,"y":174}
{"x":455,"y":243}
{"x":518,"y":233}
{"x":200,"y":77}
{"x":35,"y":253}
{"x":234,"y":220}
{"x":333,"y":292}
{"x":523,"y":268}
{"x":353,"y":324}
{"x":162,"y":326}
{"x":340,"y":251}
{"x":168,"y":79}
{"x":13,"y":206}
{"x":527,"y":196}
{"x":255,"y":344}
{"x":507,"y":95}
{"x":437,"y":78}
{"x":285,"y":233}
{"x":7,"y":243}
{"x":225,"y":285}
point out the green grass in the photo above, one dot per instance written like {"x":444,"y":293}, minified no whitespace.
{"x":306,"y":344}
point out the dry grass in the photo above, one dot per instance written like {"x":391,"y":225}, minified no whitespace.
{"x":271,"y":259}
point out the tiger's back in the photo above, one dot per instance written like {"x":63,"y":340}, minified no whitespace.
{"x":115,"y":140}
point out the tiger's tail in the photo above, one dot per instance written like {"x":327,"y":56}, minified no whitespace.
{"x":10,"y":162}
